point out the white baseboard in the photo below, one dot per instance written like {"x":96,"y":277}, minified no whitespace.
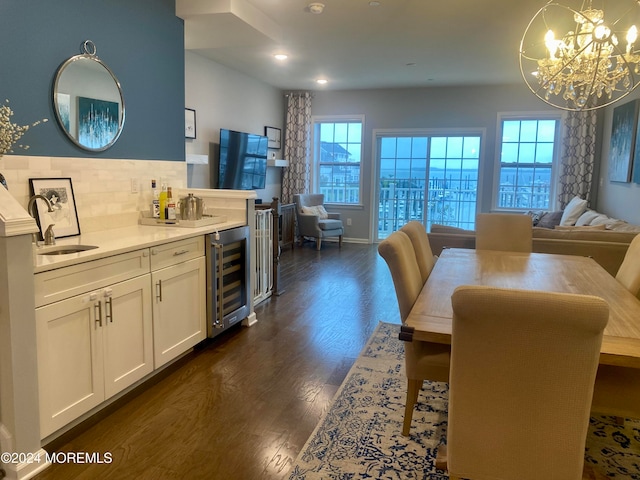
{"x":28,"y":469}
{"x":250,"y":320}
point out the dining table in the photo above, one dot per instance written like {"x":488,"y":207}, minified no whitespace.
{"x":617,"y":389}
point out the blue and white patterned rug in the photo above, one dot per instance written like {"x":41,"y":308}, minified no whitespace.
{"x":360,"y":436}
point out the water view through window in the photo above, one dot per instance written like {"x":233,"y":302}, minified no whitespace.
{"x":432,"y":179}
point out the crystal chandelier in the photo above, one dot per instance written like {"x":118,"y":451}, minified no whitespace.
{"x":582,"y":59}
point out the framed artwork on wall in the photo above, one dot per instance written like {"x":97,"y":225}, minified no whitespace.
{"x":59,"y":191}
{"x":273,"y":135}
{"x":623,"y":139}
{"x":189,"y":123}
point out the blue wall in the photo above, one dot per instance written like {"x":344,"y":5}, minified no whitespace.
{"x":142,"y":41}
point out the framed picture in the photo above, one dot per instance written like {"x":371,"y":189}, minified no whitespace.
{"x":59,"y":191}
{"x":189,"y":123}
{"x":623,"y":139}
{"x":98,"y":122}
{"x":273,"y":136}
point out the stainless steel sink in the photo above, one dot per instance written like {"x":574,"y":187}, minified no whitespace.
{"x":66,"y":249}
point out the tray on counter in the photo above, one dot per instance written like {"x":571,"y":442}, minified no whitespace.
{"x":203,"y":222}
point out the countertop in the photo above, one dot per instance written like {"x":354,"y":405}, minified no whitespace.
{"x":117,"y":241}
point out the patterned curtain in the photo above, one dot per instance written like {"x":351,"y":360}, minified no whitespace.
{"x":578,"y":156}
{"x":297,"y":146}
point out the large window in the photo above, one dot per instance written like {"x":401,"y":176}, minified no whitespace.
{"x":528,"y":153}
{"x":338,"y":153}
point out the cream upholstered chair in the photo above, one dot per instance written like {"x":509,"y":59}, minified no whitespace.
{"x":424,"y":256}
{"x":423,"y":360}
{"x":504,"y":231}
{"x":523,"y":365}
{"x":629,"y":272}
{"x":313,"y":223}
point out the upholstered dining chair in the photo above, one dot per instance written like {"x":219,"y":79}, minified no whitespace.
{"x":423,"y":360}
{"x":420,"y":241}
{"x":314,"y":221}
{"x":504,"y":231}
{"x":523,"y":365}
{"x":629,"y":271}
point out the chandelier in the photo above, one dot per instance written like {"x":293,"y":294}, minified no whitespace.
{"x":582,"y":59}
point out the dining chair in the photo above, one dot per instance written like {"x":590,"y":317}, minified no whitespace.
{"x":423,"y":360}
{"x":523,"y":365}
{"x":421,"y":247}
{"x":504,"y":231}
{"x":629,"y":271}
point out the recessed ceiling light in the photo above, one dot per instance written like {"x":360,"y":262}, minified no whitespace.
{"x":322,"y":81}
{"x":373,"y":3}
{"x":316,"y":8}
{"x":280,"y":56}
{"x":411,"y":64}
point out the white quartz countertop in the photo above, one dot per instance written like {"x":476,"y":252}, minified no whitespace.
{"x":122,"y":240}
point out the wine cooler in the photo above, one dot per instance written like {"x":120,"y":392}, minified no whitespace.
{"x":229,"y":278}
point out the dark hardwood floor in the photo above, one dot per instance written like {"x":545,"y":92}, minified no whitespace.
{"x":242,"y":406}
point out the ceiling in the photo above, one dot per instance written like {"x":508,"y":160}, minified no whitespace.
{"x":354,"y":45}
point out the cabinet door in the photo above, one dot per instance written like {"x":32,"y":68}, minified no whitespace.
{"x":127,"y":332}
{"x":179,"y":309}
{"x":70,"y":360}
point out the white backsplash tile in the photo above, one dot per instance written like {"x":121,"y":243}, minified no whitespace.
{"x":102,"y":187}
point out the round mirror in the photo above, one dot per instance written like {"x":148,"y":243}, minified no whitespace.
{"x":88,"y":101}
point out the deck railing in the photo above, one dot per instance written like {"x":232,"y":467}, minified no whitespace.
{"x":449,"y":202}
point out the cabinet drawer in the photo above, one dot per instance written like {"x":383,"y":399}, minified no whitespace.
{"x":176,"y":252}
{"x":56,"y":285}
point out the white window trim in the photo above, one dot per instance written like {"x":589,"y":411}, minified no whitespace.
{"x":542,"y":115}
{"x":315,"y":161}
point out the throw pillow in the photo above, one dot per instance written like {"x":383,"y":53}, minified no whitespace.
{"x":586,"y":218}
{"x":550,"y":219}
{"x":317,"y":210}
{"x":535,"y":216}
{"x":573,"y":210}
{"x":322,"y":213}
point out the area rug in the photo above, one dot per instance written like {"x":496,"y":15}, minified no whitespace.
{"x":360,"y":436}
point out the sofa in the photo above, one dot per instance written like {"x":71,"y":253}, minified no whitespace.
{"x":589,"y":233}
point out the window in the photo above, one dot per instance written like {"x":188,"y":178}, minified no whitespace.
{"x":431,"y":177}
{"x":528,"y":152}
{"x":338,"y":153}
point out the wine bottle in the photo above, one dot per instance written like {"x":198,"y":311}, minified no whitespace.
{"x":171,"y":205}
{"x":163,"y":202}
{"x":155,"y":204}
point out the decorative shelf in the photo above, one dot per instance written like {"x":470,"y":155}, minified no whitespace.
{"x":277,"y":162}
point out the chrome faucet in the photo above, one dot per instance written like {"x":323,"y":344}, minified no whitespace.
{"x":49,"y":237}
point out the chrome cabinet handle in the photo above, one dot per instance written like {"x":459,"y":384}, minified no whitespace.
{"x":108,"y":306}
{"x":159,"y":290}
{"x":97,"y":310}
{"x":181,"y":252}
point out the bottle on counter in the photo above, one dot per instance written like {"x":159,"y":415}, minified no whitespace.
{"x":162,"y":202}
{"x":171,"y":205}
{"x":155,"y":204}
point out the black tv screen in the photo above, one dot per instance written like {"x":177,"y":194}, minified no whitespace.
{"x":243,"y":160}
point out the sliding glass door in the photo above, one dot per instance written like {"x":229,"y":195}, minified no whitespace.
{"x":429,"y":178}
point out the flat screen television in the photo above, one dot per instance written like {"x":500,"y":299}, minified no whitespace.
{"x":242,"y":160}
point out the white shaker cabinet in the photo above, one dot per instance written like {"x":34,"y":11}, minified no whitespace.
{"x":179,"y":297}
{"x":93,"y":344}
{"x":91,"y":347}
{"x":105,"y":324}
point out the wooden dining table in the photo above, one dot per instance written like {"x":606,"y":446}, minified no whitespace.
{"x":431,"y":316}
